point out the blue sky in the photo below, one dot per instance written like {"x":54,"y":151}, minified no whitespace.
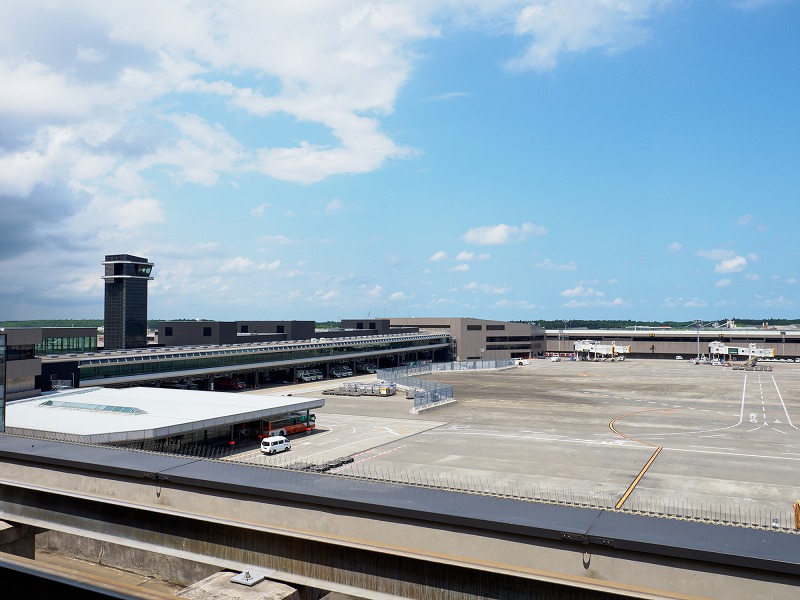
{"x":515,"y":159}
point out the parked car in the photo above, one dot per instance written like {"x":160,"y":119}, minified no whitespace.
{"x":275,"y":444}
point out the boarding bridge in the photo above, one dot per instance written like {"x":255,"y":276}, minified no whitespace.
{"x":751,"y":351}
{"x":593,"y":350}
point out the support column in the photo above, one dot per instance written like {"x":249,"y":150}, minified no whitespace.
{"x":19,"y":540}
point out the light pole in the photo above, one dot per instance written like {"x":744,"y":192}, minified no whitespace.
{"x":698,"y":324}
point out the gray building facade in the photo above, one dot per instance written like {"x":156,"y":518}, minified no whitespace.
{"x":218,"y":333}
{"x":22,"y":366}
{"x":125,"y":318}
{"x":479,"y":339}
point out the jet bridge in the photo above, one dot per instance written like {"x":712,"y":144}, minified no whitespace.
{"x":719,"y":349}
{"x":593,"y":350}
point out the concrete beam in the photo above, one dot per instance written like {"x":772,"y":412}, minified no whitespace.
{"x":349,"y":550}
{"x":18,"y":539}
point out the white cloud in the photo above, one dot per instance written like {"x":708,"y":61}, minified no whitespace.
{"x":334,"y":206}
{"x":238,"y":264}
{"x":488,"y":289}
{"x":89,"y":55}
{"x":465,"y":255}
{"x":258,"y":211}
{"x":728,"y":261}
{"x":271,"y":266}
{"x":395,"y":296}
{"x":723,"y":283}
{"x":463,"y":268}
{"x":752,"y":276}
{"x":695,"y":303}
{"x":559,"y":27}
{"x":715,"y":254}
{"x":675,"y":247}
{"x":553,"y":266}
{"x":438,"y":256}
{"x":275,"y":239}
{"x":502,"y":234}
{"x":375,"y":292}
{"x":791,"y":280}
{"x":616,"y":302}
{"x":326,"y":296}
{"x":779,"y":302}
{"x":581,"y":291}
{"x":731,"y":265}
{"x":744,"y":220}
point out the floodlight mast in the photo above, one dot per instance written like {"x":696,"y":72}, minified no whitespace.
{"x":698,"y":324}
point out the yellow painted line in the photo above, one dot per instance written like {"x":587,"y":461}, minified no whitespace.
{"x":638,"y":478}
{"x":636,"y":481}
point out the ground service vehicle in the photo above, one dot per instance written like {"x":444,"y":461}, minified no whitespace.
{"x":229,"y":384}
{"x":275,"y":444}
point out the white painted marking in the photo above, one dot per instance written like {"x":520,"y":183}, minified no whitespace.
{"x":779,"y":431}
{"x":766,"y":456}
{"x":782,"y":404}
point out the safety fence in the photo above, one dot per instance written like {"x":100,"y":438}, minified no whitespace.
{"x":428,"y":394}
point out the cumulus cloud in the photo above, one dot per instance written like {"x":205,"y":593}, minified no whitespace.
{"x":271,"y":266}
{"x":723,"y":283}
{"x":731,"y":265}
{"x":581,"y":291}
{"x":553,"y":266}
{"x":486,"y":288}
{"x":438,"y":256}
{"x":325,"y":296}
{"x":238,"y":264}
{"x":727,"y":260}
{"x":675,"y":247}
{"x":502,"y":234}
{"x":568,"y":26}
{"x":462,"y":268}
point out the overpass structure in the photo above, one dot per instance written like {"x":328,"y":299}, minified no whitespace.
{"x":381,"y":540}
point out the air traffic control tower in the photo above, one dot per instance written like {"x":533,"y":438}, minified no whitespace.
{"x":126,"y":301}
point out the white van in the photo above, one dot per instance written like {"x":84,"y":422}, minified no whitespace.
{"x":275,"y":444}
